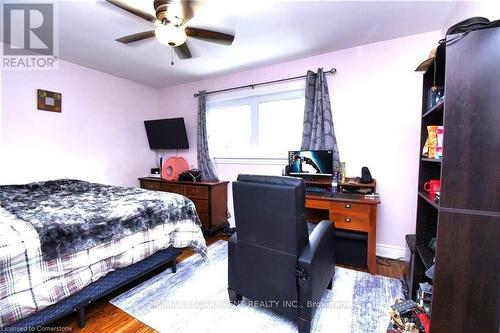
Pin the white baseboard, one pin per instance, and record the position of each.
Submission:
(390, 251)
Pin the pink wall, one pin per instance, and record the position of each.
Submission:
(99, 136)
(376, 99)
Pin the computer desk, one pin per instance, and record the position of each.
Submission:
(353, 212)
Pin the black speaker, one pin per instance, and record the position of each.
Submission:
(366, 176)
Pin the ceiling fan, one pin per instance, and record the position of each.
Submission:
(170, 26)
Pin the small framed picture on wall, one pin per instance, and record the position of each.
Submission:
(49, 100)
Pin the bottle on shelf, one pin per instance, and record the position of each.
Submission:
(342, 173)
(335, 180)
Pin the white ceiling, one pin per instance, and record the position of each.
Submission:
(267, 32)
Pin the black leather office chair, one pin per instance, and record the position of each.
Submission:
(272, 259)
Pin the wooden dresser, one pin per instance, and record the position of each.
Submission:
(210, 199)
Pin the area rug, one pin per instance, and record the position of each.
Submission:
(195, 300)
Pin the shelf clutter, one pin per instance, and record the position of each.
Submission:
(408, 316)
(437, 108)
(433, 147)
(354, 185)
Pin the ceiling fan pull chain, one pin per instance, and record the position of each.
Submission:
(172, 62)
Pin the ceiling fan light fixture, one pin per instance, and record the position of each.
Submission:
(174, 12)
(170, 35)
(174, 18)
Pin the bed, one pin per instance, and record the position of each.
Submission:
(66, 243)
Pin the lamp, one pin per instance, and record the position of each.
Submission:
(170, 34)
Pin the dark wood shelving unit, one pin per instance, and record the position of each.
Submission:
(435, 109)
(429, 199)
(466, 220)
(431, 160)
(426, 255)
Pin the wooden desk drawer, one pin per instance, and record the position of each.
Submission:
(200, 192)
(201, 205)
(173, 188)
(317, 204)
(155, 186)
(348, 208)
(351, 222)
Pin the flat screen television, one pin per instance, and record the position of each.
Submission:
(167, 133)
(310, 163)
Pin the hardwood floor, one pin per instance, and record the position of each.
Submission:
(102, 316)
(391, 267)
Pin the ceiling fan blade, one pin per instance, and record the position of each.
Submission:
(136, 37)
(133, 10)
(183, 51)
(187, 10)
(209, 35)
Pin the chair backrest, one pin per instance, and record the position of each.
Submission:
(269, 212)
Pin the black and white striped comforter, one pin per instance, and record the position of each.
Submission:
(57, 237)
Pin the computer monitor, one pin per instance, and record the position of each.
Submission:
(310, 163)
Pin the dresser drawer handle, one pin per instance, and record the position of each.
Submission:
(347, 219)
(348, 206)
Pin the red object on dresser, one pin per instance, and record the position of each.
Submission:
(173, 167)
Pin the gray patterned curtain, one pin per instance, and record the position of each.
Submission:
(318, 132)
(205, 164)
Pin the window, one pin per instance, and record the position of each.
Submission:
(262, 126)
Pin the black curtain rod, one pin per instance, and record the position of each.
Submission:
(331, 71)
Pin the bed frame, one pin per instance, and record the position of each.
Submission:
(95, 291)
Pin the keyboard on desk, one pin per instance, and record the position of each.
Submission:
(315, 190)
